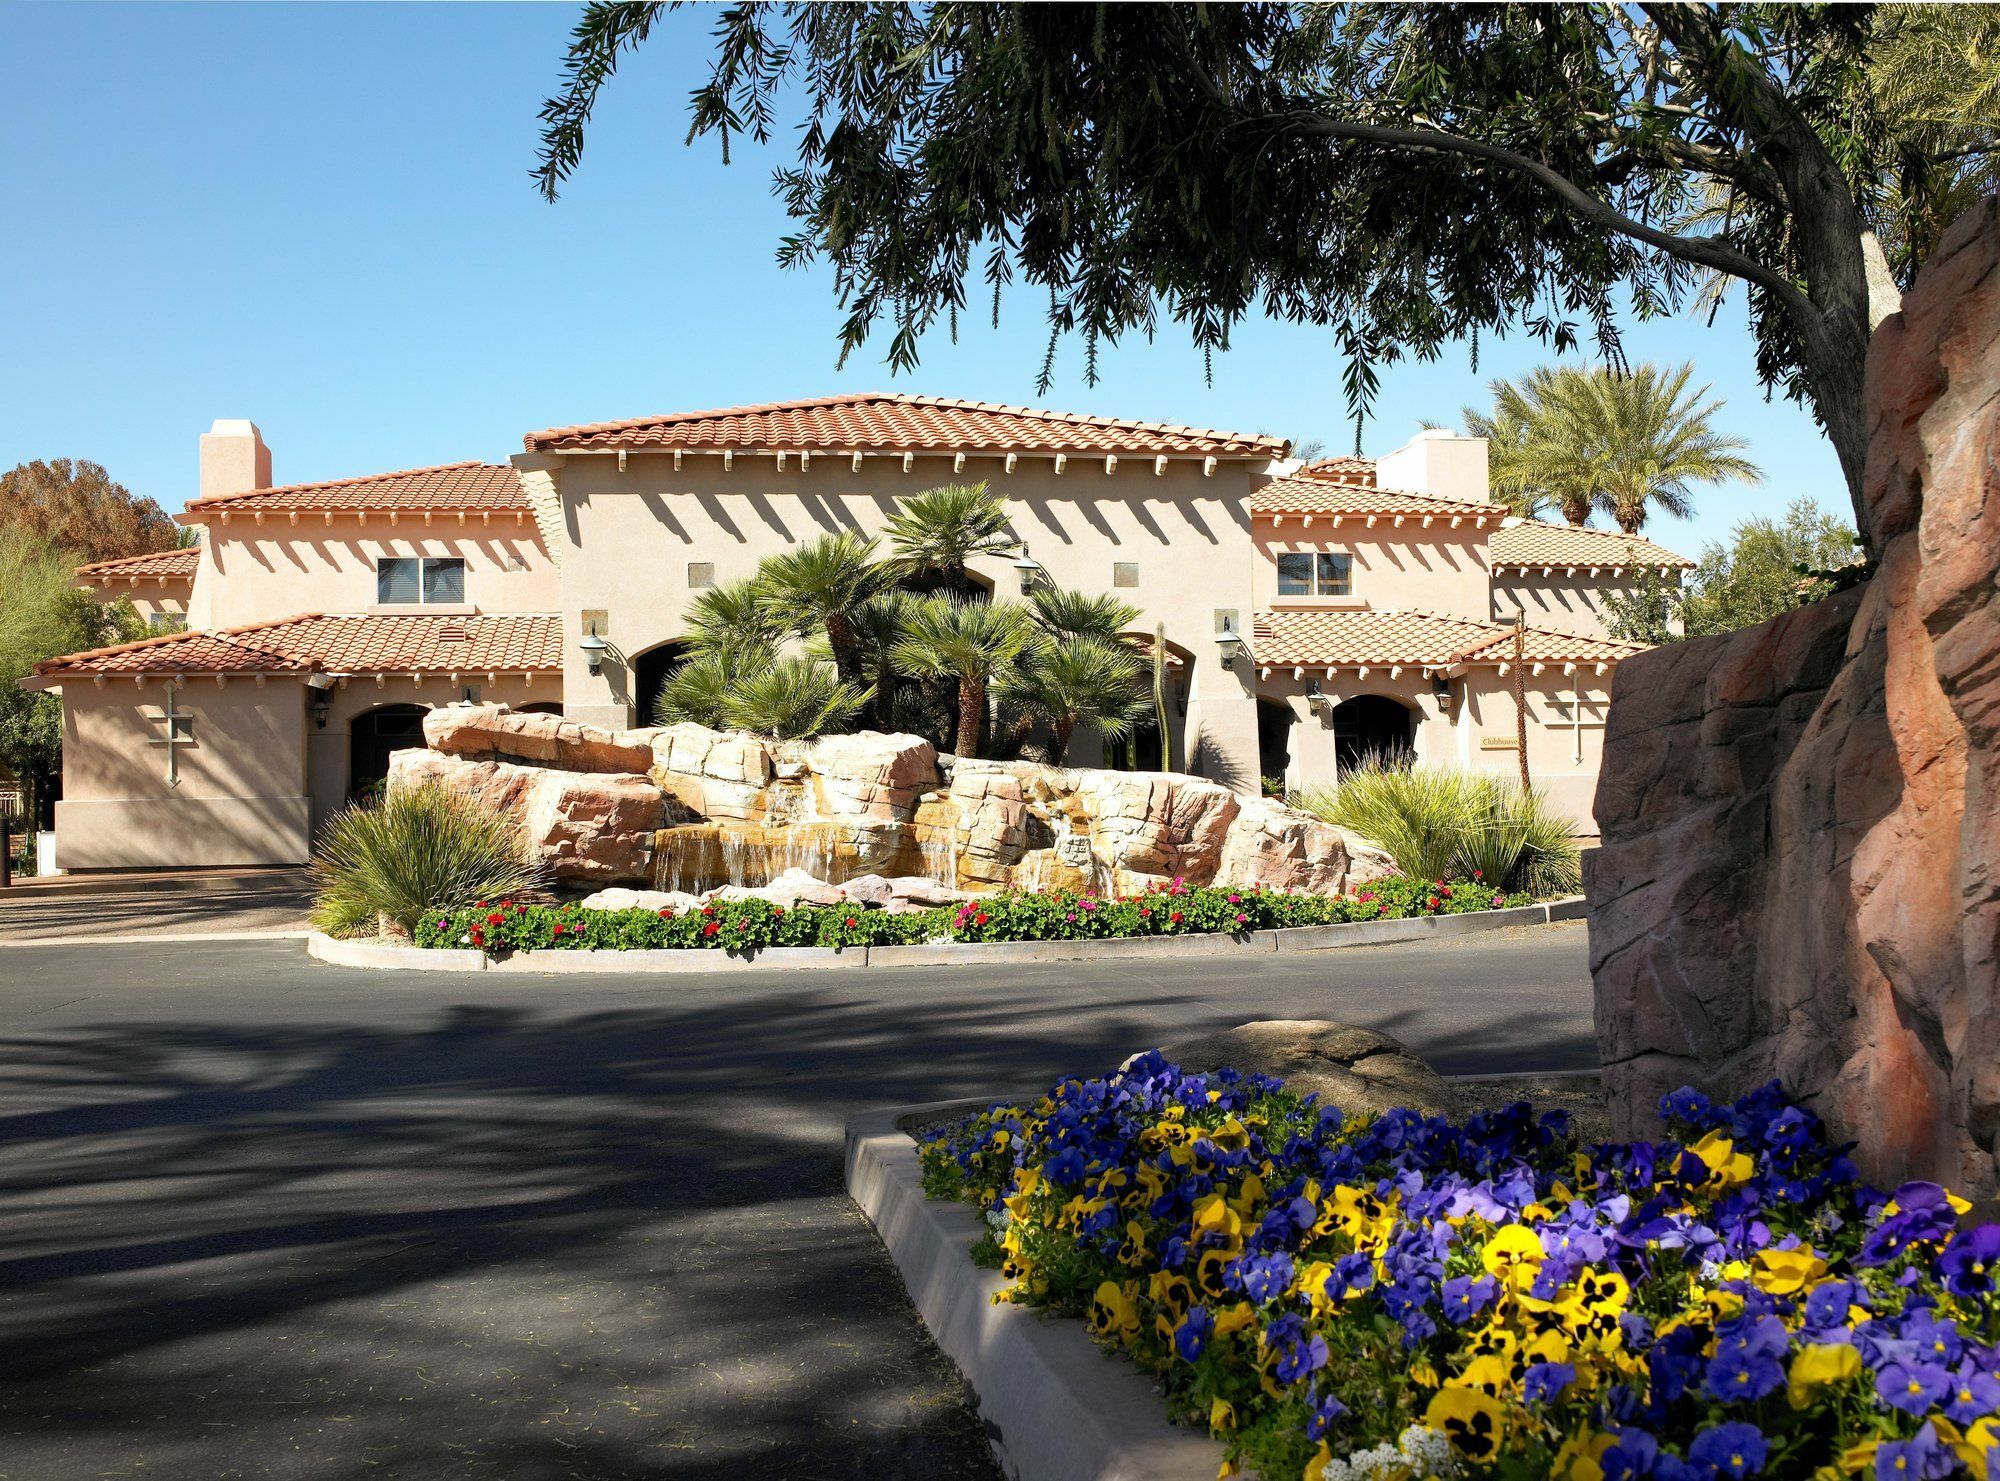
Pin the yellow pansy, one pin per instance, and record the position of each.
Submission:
(1311, 1284)
(1581, 1456)
(1786, 1272)
(1213, 1215)
(1235, 1318)
(1230, 1136)
(1316, 1467)
(1727, 1167)
(1169, 1289)
(1252, 1195)
(1114, 1309)
(1514, 1255)
(1221, 1417)
(1859, 1459)
(1489, 1375)
(1474, 1422)
(1818, 1364)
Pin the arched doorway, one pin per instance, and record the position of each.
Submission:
(650, 672)
(1372, 726)
(372, 736)
(539, 707)
(1274, 742)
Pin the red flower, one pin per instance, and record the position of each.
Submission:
(980, 919)
(1446, 892)
(495, 919)
(478, 937)
(710, 929)
(1432, 903)
(1176, 917)
(850, 923)
(666, 912)
(708, 910)
(1479, 874)
(557, 929)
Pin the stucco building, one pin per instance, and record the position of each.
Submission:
(1312, 612)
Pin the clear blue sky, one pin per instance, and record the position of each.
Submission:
(320, 217)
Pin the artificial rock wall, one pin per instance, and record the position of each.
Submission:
(1800, 874)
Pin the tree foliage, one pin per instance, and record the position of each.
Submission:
(1584, 441)
(1767, 568)
(1404, 175)
(74, 505)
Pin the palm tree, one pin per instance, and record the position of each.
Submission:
(1506, 434)
(792, 697)
(1085, 681)
(878, 625)
(818, 586)
(951, 637)
(700, 689)
(940, 529)
(1590, 439)
(1074, 614)
(733, 615)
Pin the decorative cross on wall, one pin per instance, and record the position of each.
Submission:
(174, 735)
(1574, 717)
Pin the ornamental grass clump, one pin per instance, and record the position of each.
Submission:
(1400, 1296)
(416, 852)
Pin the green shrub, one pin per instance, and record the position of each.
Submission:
(418, 851)
(1439, 821)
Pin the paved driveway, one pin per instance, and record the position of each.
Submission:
(265, 1217)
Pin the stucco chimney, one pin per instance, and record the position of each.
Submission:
(1436, 461)
(234, 459)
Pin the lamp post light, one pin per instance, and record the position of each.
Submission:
(593, 648)
(1228, 644)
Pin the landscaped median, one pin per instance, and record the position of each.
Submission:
(1394, 1296)
(1174, 920)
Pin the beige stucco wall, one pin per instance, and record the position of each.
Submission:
(1570, 604)
(150, 596)
(241, 798)
(629, 538)
(259, 573)
(1411, 570)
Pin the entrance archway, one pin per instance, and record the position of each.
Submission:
(539, 707)
(1274, 740)
(1372, 726)
(650, 672)
(372, 736)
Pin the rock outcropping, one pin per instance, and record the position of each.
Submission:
(1800, 874)
(690, 810)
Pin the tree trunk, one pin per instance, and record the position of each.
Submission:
(846, 651)
(971, 714)
(1060, 731)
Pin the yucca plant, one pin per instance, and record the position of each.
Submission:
(1418, 813)
(791, 698)
(417, 852)
(1549, 861)
(969, 641)
(1083, 681)
(816, 587)
(939, 530)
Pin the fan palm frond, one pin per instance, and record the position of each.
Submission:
(1074, 614)
(940, 529)
(700, 689)
(792, 698)
(818, 585)
(970, 641)
(1084, 681)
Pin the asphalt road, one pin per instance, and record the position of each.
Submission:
(263, 1217)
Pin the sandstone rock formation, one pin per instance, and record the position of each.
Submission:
(492, 732)
(1356, 1069)
(1800, 874)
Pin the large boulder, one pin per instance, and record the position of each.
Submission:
(1356, 1069)
(1158, 823)
(1800, 874)
(716, 774)
(871, 778)
(618, 897)
(1281, 848)
(989, 803)
(492, 732)
(586, 827)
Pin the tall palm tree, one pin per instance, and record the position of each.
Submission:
(1506, 432)
(1063, 613)
(817, 587)
(733, 615)
(1084, 681)
(951, 637)
(940, 529)
(1625, 444)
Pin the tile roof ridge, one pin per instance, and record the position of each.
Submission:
(354, 481)
(759, 408)
(227, 636)
(144, 555)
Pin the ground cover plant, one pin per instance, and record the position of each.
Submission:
(1401, 1296)
(1174, 909)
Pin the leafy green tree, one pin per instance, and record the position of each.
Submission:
(42, 615)
(934, 533)
(970, 642)
(74, 505)
(1591, 439)
(816, 587)
(1766, 569)
(1405, 175)
(1084, 681)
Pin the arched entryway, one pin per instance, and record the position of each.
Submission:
(1372, 726)
(650, 672)
(539, 707)
(1274, 742)
(372, 736)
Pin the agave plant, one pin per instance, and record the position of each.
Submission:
(969, 641)
(1084, 681)
(817, 587)
(1074, 614)
(416, 852)
(791, 698)
(940, 529)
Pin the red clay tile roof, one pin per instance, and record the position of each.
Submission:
(370, 644)
(155, 563)
(889, 422)
(449, 486)
(1341, 470)
(1315, 495)
(1313, 639)
(1533, 543)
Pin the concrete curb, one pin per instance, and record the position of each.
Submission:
(945, 954)
(151, 938)
(1056, 1407)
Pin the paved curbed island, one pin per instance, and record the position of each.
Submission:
(394, 956)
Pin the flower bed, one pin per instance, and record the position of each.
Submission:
(1405, 1297)
(1169, 910)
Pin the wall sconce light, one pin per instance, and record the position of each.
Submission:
(1228, 644)
(593, 648)
(1317, 699)
(319, 698)
(1029, 568)
(1440, 686)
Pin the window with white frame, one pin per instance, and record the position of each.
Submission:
(409, 580)
(1316, 573)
